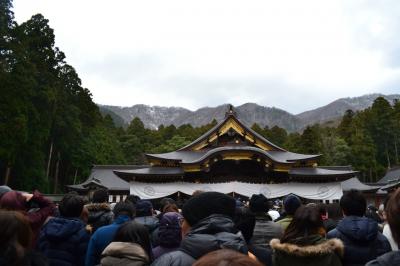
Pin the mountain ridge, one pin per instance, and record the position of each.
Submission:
(249, 113)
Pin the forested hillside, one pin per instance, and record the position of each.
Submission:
(51, 132)
(368, 140)
(50, 129)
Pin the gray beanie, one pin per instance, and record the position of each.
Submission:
(4, 189)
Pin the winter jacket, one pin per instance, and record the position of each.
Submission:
(265, 230)
(124, 253)
(64, 241)
(151, 224)
(159, 251)
(30, 258)
(211, 233)
(362, 240)
(329, 224)
(310, 251)
(263, 255)
(101, 239)
(285, 222)
(387, 232)
(100, 214)
(388, 259)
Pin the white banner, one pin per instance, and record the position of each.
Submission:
(314, 191)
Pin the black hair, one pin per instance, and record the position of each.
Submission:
(245, 222)
(124, 208)
(135, 233)
(259, 203)
(132, 199)
(71, 206)
(353, 203)
(15, 230)
(166, 201)
(322, 208)
(306, 221)
(334, 211)
(100, 195)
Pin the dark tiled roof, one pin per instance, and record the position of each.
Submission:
(188, 157)
(339, 167)
(152, 171)
(103, 176)
(391, 185)
(181, 156)
(287, 156)
(319, 172)
(391, 176)
(354, 183)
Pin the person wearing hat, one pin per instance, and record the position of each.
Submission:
(4, 189)
(169, 234)
(265, 229)
(291, 203)
(207, 226)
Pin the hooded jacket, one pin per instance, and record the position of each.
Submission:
(124, 253)
(64, 241)
(102, 238)
(285, 222)
(388, 259)
(310, 251)
(151, 224)
(100, 214)
(362, 240)
(211, 233)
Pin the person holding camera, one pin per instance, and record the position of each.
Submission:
(34, 207)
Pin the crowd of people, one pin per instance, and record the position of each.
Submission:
(210, 228)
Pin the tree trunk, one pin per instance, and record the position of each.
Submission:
(56, 174)
(387, 156)
(7, 177)
(370, 173)
(396, 151)
(75, 175)
(49, 161)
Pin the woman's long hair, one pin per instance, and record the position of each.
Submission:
(135, 233)
(306, 221)
(15, 234)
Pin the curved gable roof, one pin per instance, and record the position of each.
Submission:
(190, 157)
(216, 128)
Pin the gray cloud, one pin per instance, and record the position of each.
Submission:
(376, 26)
(210, 53)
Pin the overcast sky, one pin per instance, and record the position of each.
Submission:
(294, 55)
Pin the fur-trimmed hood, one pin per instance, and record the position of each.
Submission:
(326, 247)
(100, 214)
(92, 207)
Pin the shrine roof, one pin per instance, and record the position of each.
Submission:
(190, 157)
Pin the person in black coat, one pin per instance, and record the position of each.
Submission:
(245, 221)
(362, 240)
(63, 240)
(207, 226)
